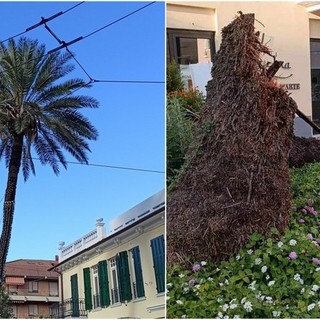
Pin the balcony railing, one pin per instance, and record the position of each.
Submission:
(115, 296)
(96, 301)
(68, 309)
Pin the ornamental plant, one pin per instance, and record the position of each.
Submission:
(274, 276)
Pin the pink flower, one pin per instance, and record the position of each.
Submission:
(316, 260)
(196, 267)
(304, 211)
(192, 282)
(293, 255)
(310, 202)
(310, 236)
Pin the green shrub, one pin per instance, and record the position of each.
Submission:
(273, 277)
(174, 78)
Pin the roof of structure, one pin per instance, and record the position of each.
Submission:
(30, 268)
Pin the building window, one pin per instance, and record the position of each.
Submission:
(53, 289)
(115, 293)
(120, 278)
(75, 312)
(33, 310)
(103, 283)
(87, 289)
(96, 293)
(136, 273)
(33, 286)
(157, 248)
(315, 80)
(190, 46)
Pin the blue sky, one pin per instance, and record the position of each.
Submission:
(130, 121)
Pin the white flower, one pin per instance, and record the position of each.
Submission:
(318, 303)
(243, 300)
(280, 244)
(250, 252)
(236, 316)
(238, 257)
(251, 285)
(219, 300)
(169, 285)
(264, 269)
(203, 263)
(318, 269)
(269, 299)
(248, 306)
(233, 306)
(302, 290)
(311, 306)
(271, 283)
(221, 284)
(179, 302)
(312, 293)
(287, 307)
(226, 317)
(258, 261)
(181, 275)
(217, 269)
(226, 282)
(315, 288)
(210, 279)
(183, 316)
(267, 277)
(301, 281)
(225, 307)
(220, 315)
(197, 286)
(186, 290)
(297, 277)
(276, 314)
(292, 242)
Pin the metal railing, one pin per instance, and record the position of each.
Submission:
(115, 295)
(96, 301)
(68, 308)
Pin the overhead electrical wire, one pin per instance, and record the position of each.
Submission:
(64, 44)
(111, 167)
(43, 20)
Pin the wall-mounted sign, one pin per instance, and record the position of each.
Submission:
(292, 86)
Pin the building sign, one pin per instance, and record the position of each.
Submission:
(292, 86)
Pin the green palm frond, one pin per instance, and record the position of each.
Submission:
(36, 102)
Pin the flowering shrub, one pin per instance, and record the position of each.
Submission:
(191, 99)
(273, 277)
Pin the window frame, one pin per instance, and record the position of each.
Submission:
(173, 34)
(33, 286)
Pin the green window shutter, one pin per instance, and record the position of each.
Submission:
(157, 247)
(103, 283)
(87, 289)
(74, 295)
(138, 271)
(124, 276)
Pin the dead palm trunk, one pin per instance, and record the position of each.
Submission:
(9, 200)
(236, 177)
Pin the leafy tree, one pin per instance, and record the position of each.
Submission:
(6, 311)
(174, 78)
(40, 113)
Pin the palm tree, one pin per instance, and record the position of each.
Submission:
(38, 112)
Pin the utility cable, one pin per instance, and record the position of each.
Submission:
(111, 167)
(98, 30)
(43, 21)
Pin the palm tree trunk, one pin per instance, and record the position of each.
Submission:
(8, 206)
